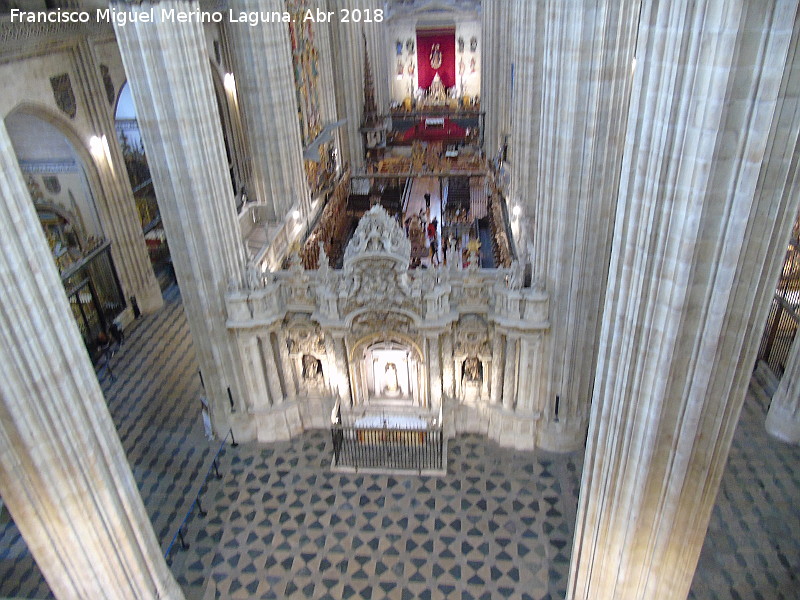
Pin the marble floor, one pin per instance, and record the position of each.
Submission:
(280, 524)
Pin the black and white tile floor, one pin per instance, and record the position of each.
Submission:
(280, 524)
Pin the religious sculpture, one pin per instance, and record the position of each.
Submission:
(437, 92)
(311, 368)
(472, 370)
(436, 57)
(391, 384)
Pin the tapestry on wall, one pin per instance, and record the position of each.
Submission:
(436, 53)
(305, 57)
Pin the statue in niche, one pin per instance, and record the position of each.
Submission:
(312, 368)
(436, 56)
(392, 385)
(473, 371)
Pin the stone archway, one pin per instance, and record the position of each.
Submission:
(387, 371)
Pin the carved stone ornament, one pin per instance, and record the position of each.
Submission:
(471, 337)
(63, 94)
(375, 269)
(382, 322)
(304, 336)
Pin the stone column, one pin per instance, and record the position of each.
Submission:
(63, 473)
(434, 370)
(286, 366)
(114, 199)
(783, 417)
(496, 23)
(343, 375)
(348, 71)
(170, 78)
(254, 373)
(573, 71)
(273, 379)
(496, 395)
(378, 53)
(707, 198)
(449, 370)
(267, 98)
(510, 373)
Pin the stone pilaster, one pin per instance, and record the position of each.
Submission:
(63, 473)
(342, 377)
(254, 373)
(573, 67)
(496, 23)
(266, 90)
(496, 395)
(273, 379)
(114, 199)
(449, 370)
(348, 70)
(434, 369)
(286, 366)
(170, 78)
(510, 372)
(706, 202)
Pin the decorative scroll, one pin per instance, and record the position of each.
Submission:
(501, 246)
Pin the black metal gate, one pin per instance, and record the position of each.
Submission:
(783, 314)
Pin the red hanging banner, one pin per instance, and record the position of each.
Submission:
(436, 53)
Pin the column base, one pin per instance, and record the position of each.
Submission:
(508, 428)
(150, 299)
(782, 423)
(564, 435)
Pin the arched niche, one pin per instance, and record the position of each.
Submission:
(62, 179)
(388, 370)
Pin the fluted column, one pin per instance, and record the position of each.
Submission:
(114, 199)
(63, 473)
(707, 200)
(348, 67)
(783, 417)
(496, 23)
(573, 66)
(266, 88)
(170, 79)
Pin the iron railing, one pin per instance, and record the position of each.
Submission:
(419, 449)
(784, 317)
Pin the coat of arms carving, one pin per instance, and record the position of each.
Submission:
(63, 94)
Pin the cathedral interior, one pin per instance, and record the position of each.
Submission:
(400, 299)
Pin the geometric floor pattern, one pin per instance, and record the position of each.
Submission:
(752, 549)
(281, 524)
(499, 525)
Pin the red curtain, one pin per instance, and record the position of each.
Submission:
(446, 38)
